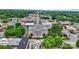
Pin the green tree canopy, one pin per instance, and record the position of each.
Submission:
(49, 42)
(55, 30)
(18, 24)
(16, 30)
(58, 41)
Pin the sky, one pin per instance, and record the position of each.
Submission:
(39, 4)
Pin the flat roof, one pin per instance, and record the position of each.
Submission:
(10, 41)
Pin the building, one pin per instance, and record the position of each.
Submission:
(35, 26)
(13, 21)
(26, 21)
(34, 44)
(76, 25)
(1, 35)
(65, 22)
(1, 31)
(30, 20)
(14, 42)
(70, 28)
(19, 43)
(38, 30)
(46, 23)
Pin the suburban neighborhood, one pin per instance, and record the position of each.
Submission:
(39, 30)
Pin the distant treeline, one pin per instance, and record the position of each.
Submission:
(72, 16)
(9, 13)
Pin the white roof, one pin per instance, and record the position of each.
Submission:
(29, 23)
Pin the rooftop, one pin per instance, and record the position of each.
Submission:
(10, 41)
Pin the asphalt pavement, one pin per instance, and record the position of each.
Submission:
(23, 43)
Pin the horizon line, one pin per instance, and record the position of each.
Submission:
(47, 9)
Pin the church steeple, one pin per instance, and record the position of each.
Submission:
(38, 18)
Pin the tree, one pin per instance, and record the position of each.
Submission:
(64, 15)
(48, 42)
(44, 17)
(56, 37)
(55, 30)
(18, 24)
(58, 41)
(77, 43)
(61, 17)
(57, 27)
(4, 14)
(5, 21)
(22, 30)
(17, 31)
(13, 32)
(9, 27)
(9, 32)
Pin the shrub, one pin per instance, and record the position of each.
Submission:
(67, 46)
(5, 47)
